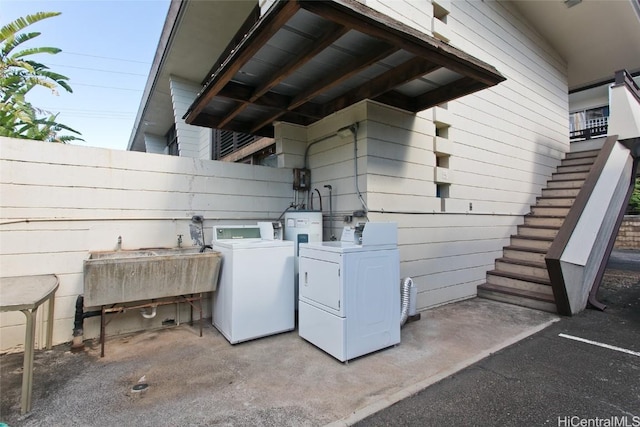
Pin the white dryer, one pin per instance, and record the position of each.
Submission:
(255, 296)
(349, 292)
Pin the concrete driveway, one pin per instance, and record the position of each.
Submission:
(580, 370)
(280, 380)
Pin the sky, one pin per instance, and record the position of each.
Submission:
(107, 51)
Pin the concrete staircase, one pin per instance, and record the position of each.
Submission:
(520, 277)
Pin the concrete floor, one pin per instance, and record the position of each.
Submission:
(279, 380)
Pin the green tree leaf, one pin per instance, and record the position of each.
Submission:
(18, 76)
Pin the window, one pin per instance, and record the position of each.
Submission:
(172, 141)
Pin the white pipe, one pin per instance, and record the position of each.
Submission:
(146, 315)
(407, 285)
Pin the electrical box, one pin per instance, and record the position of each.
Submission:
(301, 179)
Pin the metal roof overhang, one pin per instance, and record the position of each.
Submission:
(304, 60)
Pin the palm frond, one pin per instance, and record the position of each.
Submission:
(16, 40)
(21, 23)
(36, 50)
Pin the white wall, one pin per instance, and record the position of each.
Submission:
(155, 144)
(59, 202)
(504, 143)
(183, 92)
(414, 13)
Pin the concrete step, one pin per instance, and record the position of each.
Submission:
(520, 297)
(560, 192)
(531, 242)
(519, 281)
(579, 161)
(555, 201)
(568, 176)
(573, 183)
(525, 268)
(573, 168)
(582, 154)
(537, 231)
(544, 220)
(550, 210)
(524, 254)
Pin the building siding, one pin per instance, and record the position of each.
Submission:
(183, 93)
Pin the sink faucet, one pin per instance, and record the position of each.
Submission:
(179, 240)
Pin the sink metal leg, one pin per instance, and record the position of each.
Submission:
(200, 307)
(27, 370)
(102, 330)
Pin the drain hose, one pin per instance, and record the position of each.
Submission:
(151, 315)
(407, 287)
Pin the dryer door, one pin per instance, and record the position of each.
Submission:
(321, 284)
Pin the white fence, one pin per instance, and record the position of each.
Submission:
(59, 202)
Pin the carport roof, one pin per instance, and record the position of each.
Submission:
(303, 60)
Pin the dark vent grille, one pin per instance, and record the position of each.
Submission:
(226, 142)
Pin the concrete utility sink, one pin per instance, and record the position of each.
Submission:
(136, 275)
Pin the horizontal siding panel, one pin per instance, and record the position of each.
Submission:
(401, 185)
(122, 214)
(482, 115)
(474, 180)
(87, 177)
(413, 13)
(98, 198)
(390, 167)
(444, 220)
(470, 146)
(420, 123)
(440, 250)
(440, 296)
(426, 267)
(484, 26)
(401, 202)
(527, 174)
(415, 235)
(42, 241)
(391, 151)
(447, 279)
(35, 264)
(383, 132)
(43, 152)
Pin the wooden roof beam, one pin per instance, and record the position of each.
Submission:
(406, 72)
(451, 91)
(242, 93)
(330, 34)
(275, 18)
(344, 73)
(354, 15)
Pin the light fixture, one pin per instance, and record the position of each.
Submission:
(571, 3)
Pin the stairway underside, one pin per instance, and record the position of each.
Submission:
(520, 277)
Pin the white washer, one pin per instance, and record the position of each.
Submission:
(350, 294)
(255, 296)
